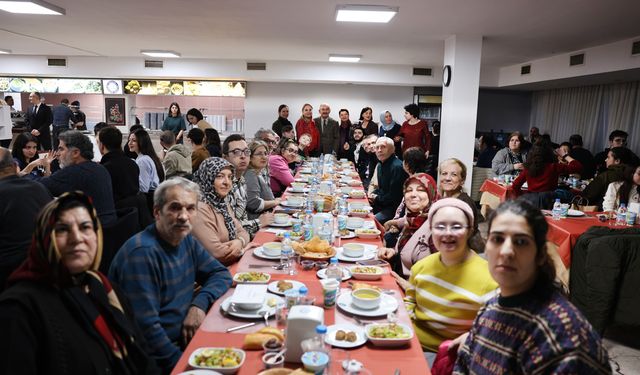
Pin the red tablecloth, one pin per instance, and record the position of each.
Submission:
(565, 232)
(409, 359)
(501, 191)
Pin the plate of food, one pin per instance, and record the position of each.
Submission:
(357, 194)
(346, 234)
(222, 360)
(295, 236)
(366, 272)
(315, 249)
(388, 334)
(268, 307)
(575, 213)
(346, 275)
(345, 336)
(281, 286)
(259, 252)
(385, 305)
(251, 278)
(367, 233)
(360, 212)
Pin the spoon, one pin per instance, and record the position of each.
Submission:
(265, 315)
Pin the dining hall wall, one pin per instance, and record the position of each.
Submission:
(506, 110)
(263, 99)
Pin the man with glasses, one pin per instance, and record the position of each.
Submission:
(617, 138)
(391, 176)
(236, 152)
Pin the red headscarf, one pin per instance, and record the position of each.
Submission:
(414, 220)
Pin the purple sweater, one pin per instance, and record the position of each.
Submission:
(280, 173)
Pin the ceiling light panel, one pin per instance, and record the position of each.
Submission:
(31, 7)
(344, 58)
(365, 13)
(160, 53)
(4, 51)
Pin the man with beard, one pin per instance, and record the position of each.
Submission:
(78, 172)
(158, 268)
(367, 160)
(236, 152)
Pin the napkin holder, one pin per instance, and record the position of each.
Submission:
(301, 325)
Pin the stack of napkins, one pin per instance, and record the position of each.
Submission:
(249, 296)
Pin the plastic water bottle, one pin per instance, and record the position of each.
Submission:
(333, 270)
(621, 215)
(321, 332)
(287, 252)
(326, 232)
(344, 206)
(557, 210)
(303, 296)
(307, 227)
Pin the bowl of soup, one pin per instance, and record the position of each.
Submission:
(366, 299)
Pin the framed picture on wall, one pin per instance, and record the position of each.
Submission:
(115, 111)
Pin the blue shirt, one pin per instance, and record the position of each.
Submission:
(159, 280)
(61, 116)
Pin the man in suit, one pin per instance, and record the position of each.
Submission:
(328, 129)
(39, 118)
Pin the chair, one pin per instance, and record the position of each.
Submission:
(115, 235)
(479, 175)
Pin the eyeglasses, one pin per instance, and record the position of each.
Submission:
(260, 154)
(238, 152)
(292, 150)
(454, 229)
(271, 141)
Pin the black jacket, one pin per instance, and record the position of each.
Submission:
(21, 200)
(124, 173)
(42, 335)
(605, 276)
(41, 121)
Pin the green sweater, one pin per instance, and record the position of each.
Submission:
(175, 124)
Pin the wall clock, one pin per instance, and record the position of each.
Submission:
(446, 75)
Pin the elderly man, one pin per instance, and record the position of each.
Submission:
(267, 136)
(236, 152)
(328, 128)
(158, 268)
(391, 176)
(22, 199)
(78, 172)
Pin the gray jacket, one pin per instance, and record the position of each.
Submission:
(329, 136)
(258, 191)
(177, 161)
(501, 163)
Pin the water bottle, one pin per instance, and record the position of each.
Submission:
(287, 252)
(308, 225)
(557, 209)
(326, 231)
(333, 270)
(303, 296)
(321, 332)
(621, 215)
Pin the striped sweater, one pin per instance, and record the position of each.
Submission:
(443, 300)
(532, 333)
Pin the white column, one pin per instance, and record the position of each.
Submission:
(460, 100)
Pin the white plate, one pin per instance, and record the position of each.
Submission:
(220, 370)
(237, 280)
(330, 337)
(252, 314)
(349, 236)
(575, 213)
(346, 275)
(273, 286)
(370, 252)
(354, 228)
(389, 343)
(387, 304)
(292, 191)
(287, 224)
(287, 204)
(200, 372)
(260, 254)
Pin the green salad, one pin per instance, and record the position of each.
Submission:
(389, 331)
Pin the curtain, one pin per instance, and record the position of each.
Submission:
(591, 111)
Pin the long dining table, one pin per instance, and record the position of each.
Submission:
(379, 360)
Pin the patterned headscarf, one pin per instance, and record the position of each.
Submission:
(205, 176)
(414, 220)
(386, 127)
(89, 293)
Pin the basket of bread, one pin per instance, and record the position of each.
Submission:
(315, 249)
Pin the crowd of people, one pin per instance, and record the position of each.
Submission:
(65, 310)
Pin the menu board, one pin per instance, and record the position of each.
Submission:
(189, 88)
(51, 85)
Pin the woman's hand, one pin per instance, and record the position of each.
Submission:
(386, 253)
(456, 343)
(249, 246)
(397, 138)
(235, 248)
(390, 224)
(518, 166)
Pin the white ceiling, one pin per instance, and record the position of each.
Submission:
(515, 31)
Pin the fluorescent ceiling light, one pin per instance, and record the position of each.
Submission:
(365, 13)
(344, 58)
(159, 53)
(5, 51)
(31, 7)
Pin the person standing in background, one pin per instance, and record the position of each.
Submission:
(175, 122)
(39, 117)
(390, 128)
(328, 129)
(434, 149)
(283, 119)
(414, 131)
(306, 125)
(61, 120)
(195, 118)
(366, 122)
(345, 149)
(79, 119)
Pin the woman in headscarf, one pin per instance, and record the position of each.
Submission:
(60, 315)
(447, 288)
(389, 128)
(216, 227)
(413, 244)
